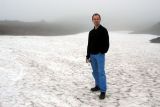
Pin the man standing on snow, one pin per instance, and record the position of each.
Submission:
(98, 45)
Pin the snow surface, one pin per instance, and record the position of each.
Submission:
(50, 71)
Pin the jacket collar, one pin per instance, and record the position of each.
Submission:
(98, 27)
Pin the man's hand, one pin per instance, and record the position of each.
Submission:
(88, 60)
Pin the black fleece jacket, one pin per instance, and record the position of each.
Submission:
(98, 41)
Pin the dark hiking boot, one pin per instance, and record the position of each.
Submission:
(102, 95)
(96, 88)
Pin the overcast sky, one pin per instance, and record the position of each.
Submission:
(119, 11)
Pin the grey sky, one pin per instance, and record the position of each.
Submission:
(120, 11)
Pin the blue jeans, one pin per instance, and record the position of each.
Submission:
(98, 67)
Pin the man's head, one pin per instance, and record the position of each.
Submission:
(96, 19)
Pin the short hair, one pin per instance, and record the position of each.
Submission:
(96, 14)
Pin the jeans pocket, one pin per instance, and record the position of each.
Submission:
(101, 53)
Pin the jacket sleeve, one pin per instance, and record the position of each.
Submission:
(106, 42)
(88, 47)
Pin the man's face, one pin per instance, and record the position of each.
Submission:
(96, 20)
